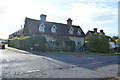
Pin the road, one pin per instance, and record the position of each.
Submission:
(19, 65)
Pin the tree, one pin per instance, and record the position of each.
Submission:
(98, 43)
(118, 40)
(115, 37)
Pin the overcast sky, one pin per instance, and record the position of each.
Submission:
(88, 14)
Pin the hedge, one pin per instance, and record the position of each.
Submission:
(70, 45)
(39, 43)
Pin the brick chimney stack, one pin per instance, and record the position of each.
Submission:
(101, 31)
(43, 17)
(95, 30)
(69, 21)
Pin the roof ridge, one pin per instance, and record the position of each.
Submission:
(52, 22)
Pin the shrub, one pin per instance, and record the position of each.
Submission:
(52, 47)
(26, 43)
(39, 43)
(118, 40)
(98, 43)
(70, 45)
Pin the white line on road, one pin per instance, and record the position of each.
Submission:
(32, 71)
(6, 59)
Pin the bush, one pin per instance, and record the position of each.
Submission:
(52, 47)
(98, 43)
(38, 43)
(26, 43)
(118, 40)
(70, 45)
(13, 43)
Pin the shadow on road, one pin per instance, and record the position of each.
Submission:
(82, 60)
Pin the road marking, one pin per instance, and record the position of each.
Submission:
(32, 71)
(100, 62)
(90, 58)
(7, 59)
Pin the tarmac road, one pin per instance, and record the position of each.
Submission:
(19, 65)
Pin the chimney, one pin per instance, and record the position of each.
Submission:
(43, 17)
(101, 31)
(95, 30)
(69, 22)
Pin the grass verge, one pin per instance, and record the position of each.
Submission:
(91, 53)
(104, 54)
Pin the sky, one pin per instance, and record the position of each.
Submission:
(88, 14)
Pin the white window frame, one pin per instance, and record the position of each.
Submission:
(42, 28)
(79, 32)
(71, 30)
(53, 42)
(54, 29)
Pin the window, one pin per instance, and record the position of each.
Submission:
(53, 42)
(42, 28)
(53, 29)
(78, 32)
(71, 30)
(79, 43)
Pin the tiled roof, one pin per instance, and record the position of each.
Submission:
(62, 29)
(92, 32)
(19, 32)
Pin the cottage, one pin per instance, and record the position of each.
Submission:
(51, 29)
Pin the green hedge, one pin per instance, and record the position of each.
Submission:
(70, 45)
(39, 43)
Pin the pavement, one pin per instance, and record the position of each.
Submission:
(16, 50)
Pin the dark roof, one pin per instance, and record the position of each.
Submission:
(110, 39)
(92, 32)
(20, 31)
(62, 29)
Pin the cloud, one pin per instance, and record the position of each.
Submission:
(106, 16)
(1, 11)
(98, 1)
(86, 13)
(91, 15)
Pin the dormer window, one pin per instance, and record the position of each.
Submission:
(54, 29)
(78, 32)
(71, 30)
(42, 28)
